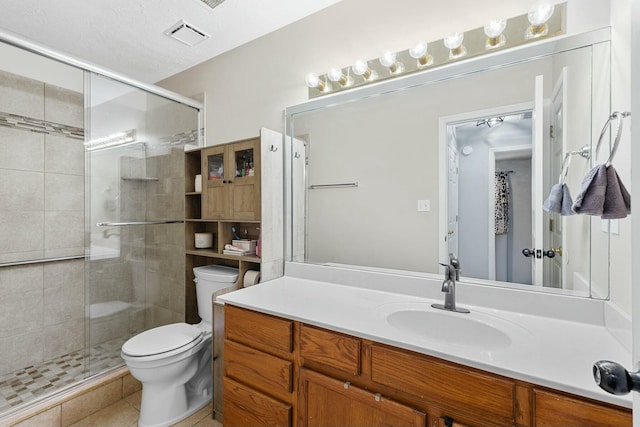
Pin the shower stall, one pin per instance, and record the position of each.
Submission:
(91, 212)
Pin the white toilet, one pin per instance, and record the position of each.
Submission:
(173, 362)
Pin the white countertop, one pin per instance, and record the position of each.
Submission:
(550, 352)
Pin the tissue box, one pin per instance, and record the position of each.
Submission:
(203, 240)
(245, 245)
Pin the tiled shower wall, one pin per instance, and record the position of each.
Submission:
(41, 216)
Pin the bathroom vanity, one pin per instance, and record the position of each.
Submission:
(303, 352)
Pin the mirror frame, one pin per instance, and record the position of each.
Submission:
(514, 56)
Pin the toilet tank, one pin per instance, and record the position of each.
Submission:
(210, 279)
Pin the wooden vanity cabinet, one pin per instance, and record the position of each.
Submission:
(341, 380)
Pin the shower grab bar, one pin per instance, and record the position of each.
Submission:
(40, 261)
(346, 185)
(124, 224)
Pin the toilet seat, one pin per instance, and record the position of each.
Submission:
(163, 341)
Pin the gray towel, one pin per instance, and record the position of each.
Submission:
(590, 201)
(559, 200)
(617, 201)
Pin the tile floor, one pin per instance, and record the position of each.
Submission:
(125, 413)
(32, 382)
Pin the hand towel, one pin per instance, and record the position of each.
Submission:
(617, 201)
(590, 201)
(559, 200)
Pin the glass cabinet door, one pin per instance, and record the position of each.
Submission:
(214, 165)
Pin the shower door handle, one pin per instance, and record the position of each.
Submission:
(124, 224)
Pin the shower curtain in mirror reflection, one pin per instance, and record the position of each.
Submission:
(502, 203)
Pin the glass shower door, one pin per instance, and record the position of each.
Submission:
(135, 208)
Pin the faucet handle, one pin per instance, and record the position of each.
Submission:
(455, 263)
(453, 260)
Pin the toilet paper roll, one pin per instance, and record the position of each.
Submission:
(251, 277)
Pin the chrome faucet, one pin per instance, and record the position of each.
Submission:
(451, 274)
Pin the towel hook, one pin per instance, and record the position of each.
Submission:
(620, 117)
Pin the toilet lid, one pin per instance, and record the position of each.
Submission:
(162, 339)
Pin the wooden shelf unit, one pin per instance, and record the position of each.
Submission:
(196, 221)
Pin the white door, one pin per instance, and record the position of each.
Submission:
(554, 267)
(537, 182)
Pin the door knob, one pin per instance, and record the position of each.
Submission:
(558, 251)
(529, 252)
(614, 378)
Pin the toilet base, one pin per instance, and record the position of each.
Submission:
(196, 402)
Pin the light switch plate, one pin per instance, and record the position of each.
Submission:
(424, 205)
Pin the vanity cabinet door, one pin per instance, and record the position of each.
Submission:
(325, 401)
(553, 409)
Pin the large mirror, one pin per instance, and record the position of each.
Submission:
(399, 175)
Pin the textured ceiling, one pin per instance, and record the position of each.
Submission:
(126, 36)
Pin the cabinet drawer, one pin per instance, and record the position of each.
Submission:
(244, 406)
(263, 371)
(261, 331)
(485, 397)
(332, 349)
(551, 409)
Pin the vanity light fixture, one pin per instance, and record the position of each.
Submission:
(389, 60)
(336, 75)
(420, 53)
(493, 30)
(538, 18)
(545, 20)
(491, 122)
(314, 82)
(361, 68)
(453, 42)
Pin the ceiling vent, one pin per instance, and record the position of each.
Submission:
(212, 3)
(186, 33)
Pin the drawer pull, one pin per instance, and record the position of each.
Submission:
(378, 397)
(346, 385)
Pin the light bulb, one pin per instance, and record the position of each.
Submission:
(538, 18)
(493, 30)
(453, 42)
(314, 82)
(389, 60)
(419, 52)
(361, 68)
(336, 75)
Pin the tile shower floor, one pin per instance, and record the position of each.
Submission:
(32, 382)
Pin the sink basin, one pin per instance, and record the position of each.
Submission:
(467, 330)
